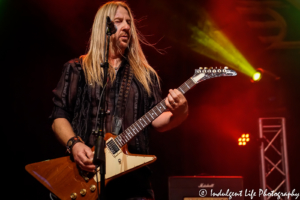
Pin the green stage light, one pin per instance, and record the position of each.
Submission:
(256, 76)
(211, 42)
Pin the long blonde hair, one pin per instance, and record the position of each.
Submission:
(135, 56)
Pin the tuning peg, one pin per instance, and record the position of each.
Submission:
(211, 68)
(205, 67)
(200, 67)
(225, 67)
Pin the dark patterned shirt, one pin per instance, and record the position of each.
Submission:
(78, 102)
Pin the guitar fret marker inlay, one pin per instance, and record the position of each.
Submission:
(159, 109)
(163, 106)
(155, 112)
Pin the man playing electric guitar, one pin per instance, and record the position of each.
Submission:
(132, 90)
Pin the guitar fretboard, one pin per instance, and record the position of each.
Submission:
(150, 116)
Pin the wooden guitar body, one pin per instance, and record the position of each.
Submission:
(63, 178)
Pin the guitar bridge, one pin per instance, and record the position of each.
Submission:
(85, 175)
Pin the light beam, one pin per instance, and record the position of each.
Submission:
(211, 42)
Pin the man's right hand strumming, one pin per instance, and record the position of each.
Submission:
(83, 156)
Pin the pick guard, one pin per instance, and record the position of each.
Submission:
(118, 165)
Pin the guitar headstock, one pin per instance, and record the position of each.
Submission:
(205, 73)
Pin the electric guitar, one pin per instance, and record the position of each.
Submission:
(62, 176)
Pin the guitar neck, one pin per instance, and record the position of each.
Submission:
(149, 117)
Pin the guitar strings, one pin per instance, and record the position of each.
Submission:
(122, 139)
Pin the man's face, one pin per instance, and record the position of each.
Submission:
(122, 21)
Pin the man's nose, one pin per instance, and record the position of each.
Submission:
(125, 26)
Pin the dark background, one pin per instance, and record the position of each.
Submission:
(38, 37)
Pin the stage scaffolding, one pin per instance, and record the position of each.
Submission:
(274, 170)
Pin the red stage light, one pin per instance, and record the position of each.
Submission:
(244, 139)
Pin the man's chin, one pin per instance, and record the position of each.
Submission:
(123, 46)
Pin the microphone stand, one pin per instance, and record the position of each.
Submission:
(99, 156)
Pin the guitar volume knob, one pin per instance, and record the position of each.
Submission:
(83, 192)
(93, 188)
(73, 195)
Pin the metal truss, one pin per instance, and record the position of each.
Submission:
(274, 172)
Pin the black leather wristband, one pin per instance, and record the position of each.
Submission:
(72, 141)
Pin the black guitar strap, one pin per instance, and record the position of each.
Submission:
(122, 100)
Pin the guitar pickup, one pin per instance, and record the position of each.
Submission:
(113, 147)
